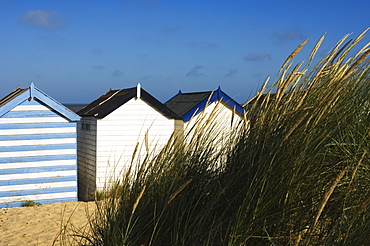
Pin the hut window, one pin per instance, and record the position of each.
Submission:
(85, 126)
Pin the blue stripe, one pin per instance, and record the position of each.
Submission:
(37, 136)
(37, 158)
(38, 169)
(37, 125)
(31, 113)
(37, 180)
(38, 147)
(37, 191)
(46, 201)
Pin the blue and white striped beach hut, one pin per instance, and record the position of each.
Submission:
(38, 159)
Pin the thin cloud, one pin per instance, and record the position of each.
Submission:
(117, 73)
(289, 36)
(261, 56)
(202, 45)
(53, 39)
(171, 30)
(231, 72)
(97, 51)
(147, 3)
(98, 67)
(195, 71)
(43, 19)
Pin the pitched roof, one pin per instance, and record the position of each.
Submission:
(113, 99)
(184, 102)
(19, 95)
(187, 105)
(12, 95)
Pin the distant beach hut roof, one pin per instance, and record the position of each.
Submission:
(186, 105)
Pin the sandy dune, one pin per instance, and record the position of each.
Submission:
(40, 225)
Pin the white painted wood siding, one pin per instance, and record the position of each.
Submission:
(37, 156)
(218, 120)
(119, 132)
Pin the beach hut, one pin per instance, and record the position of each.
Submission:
(38, 160)
(113, 128)
(195, 107)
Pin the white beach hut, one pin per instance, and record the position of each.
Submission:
(193, 107)
(112, 128)
(38, 160)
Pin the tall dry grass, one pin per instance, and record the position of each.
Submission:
(297, 175)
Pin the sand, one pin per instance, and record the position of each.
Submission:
(40, 225)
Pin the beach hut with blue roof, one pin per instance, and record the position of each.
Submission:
(195, 107)
(38, 159)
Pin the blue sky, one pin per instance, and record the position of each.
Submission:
(77, 50)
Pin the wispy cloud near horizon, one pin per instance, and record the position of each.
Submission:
(289, 35)
(231, 72)
(195, 71)
(147, 3)
(202, 45)
(43, 19)
(117, 73)
(260, 56)
(97, 51)
(98, 67)
(172, 30)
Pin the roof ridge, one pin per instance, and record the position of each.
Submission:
(196, 92)
(107, 103)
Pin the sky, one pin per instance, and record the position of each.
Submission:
(75, 51)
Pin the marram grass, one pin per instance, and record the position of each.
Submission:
(298, 174)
